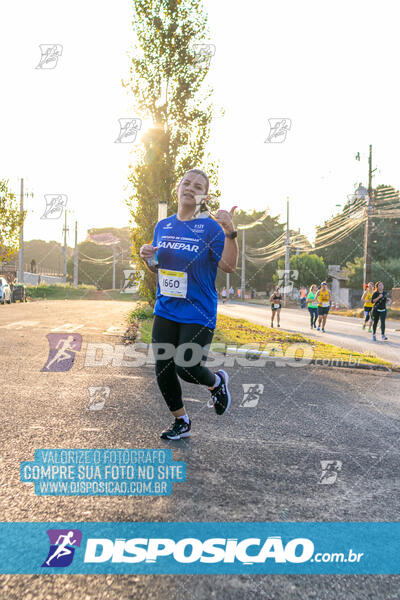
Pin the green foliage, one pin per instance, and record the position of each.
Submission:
(10, 222)
(166, 86)
(141, 312)
(58, 291)
(100, 274)
(311, 269)
(48, 255)
(387, 271)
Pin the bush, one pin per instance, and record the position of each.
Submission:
(141, 312)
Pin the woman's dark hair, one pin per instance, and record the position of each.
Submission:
(200, 172)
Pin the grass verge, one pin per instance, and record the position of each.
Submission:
(231, 331)
(62, 291)
(58, 291)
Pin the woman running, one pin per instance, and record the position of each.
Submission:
(368, 305)
(276, 305)
(379, 300)
(323, 297)
(312, 305)
(187, 249)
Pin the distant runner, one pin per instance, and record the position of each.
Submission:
(312, 305)
(224, 294)
(379, 299)
(323, 297)
(368, 305)
(187, 250)
(276, 305)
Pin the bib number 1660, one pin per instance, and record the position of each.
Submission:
(173, 283)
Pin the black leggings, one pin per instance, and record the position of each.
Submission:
(376, 316)
(313, 315)
(167, 371)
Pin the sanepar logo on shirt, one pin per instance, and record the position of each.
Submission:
(190, 550)
(179, 246)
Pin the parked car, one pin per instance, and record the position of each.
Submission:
(19, 293)
(5, 291)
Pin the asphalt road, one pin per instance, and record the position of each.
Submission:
(259, 463)
(345, 332)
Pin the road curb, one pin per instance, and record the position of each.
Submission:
(321, 362)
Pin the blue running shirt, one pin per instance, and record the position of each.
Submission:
(188, 257)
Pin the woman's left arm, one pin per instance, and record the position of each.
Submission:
(229, 258)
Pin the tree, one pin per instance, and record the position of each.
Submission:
(386, 271)
(95, 260)
(311, 269)
(11, 222)
(167, 85)
(385, 232)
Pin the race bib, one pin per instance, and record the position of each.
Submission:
(324, 304)
(276, 305)
(172, 283)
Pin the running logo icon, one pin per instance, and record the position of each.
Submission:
(278, 129)
(63, 347)
(203, 54)
(330, 470)
(128, 129)
(50, 55)
(62, 550)
(287, 279)
(133, 277)
(98, 397)
(251, 394)
(55, 203)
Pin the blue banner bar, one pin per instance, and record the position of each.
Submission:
(202, 547)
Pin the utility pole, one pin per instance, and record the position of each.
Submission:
(113, 273)
(65, 230)
(21, 235)
(227, 285)
(287, 253)
(76, 256)
(243, 280)
(367, 272)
